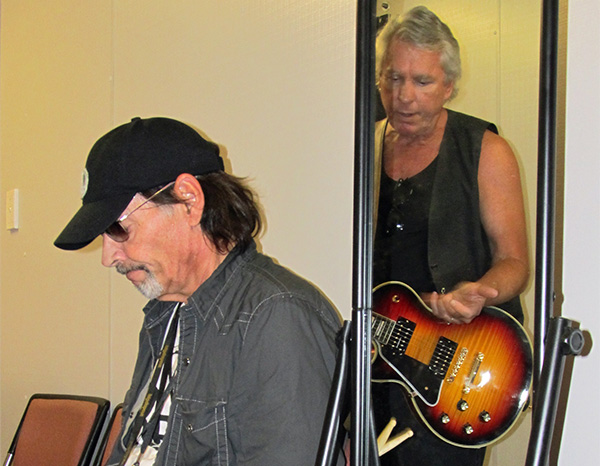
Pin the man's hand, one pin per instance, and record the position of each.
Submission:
(462, 304)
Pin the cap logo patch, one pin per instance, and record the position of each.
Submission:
(85, 179)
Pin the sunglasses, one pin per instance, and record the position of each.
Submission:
(117, 232)
(395, 220)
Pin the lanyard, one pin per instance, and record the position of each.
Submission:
(155, 392)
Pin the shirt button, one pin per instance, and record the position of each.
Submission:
(186, 361)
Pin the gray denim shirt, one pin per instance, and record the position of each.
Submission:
(256, 359)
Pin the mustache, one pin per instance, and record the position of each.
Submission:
(124, 269)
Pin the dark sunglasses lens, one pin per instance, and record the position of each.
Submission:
(117, 233)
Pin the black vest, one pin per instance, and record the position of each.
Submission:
(458, 247)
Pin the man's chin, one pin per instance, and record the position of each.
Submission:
(149, 291)
(143, 279)
(149, 286)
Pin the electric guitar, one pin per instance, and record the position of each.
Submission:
(469, 382)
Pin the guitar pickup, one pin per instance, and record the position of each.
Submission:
(442, 357)
(401, 335)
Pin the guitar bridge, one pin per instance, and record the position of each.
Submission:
(442, 357)
(459, 362)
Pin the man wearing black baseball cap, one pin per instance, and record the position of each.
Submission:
(236, 353)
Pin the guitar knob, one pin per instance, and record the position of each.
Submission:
(468, 429)
(444, 418)
(484, 416)
(462, 405)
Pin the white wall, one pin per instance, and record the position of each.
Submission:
(581, 437)
(54, 100)
(499, 41)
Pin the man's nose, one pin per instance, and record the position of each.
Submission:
(112, 251)
(406, 92)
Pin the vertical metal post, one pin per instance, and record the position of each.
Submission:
(363, 231)
(546, 182)
(555, 338)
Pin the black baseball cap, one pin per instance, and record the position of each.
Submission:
(139, 155)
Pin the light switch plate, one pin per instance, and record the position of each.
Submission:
(12, 209)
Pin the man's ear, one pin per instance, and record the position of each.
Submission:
(188, 190)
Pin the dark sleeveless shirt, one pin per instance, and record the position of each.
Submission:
(400, 252)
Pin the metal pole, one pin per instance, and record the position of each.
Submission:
(562, 340)
(554, 338)
(328, 447)
(546, 182)
(363, 231)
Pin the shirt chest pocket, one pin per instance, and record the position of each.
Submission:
(204, 438)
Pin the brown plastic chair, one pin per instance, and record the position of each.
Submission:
(58, 430)
(111, 435)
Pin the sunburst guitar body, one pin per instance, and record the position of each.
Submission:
(469, 383)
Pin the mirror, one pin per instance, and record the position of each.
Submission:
(499, 46)
(499, 43)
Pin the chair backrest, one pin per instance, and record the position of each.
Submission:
(59, 430)
(111, 435)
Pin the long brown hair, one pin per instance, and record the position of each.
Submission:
(231, 216)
